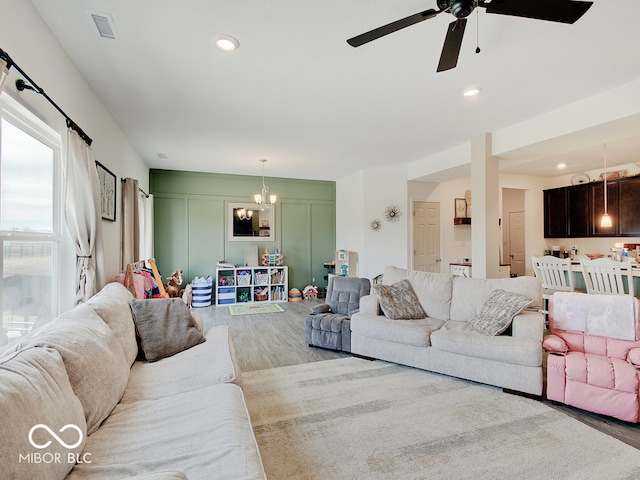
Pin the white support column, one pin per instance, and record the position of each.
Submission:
(485, 238)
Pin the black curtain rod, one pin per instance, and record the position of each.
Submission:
(22, 85)
(122, 180)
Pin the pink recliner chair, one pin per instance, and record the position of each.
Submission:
(594, 353)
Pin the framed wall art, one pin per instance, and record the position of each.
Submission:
(107, 182)
(460, 208)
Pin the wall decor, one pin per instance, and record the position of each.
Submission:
(392, 213)
(107, 182)
(246, 222)
(375, 225)
(460, 207)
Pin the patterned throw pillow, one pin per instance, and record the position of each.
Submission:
(498, 311)
(399, 301)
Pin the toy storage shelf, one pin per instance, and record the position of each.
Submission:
(251, 284)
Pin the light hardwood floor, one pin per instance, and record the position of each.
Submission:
(277, 339)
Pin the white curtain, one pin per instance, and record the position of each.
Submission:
(146, 225)
(82, 213)
(130, 232)
(4, 73)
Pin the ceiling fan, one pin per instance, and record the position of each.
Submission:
(564, 11)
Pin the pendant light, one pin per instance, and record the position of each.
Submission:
(605, 221)
(261, 198)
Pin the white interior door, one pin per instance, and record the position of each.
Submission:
(426, 237)
(517, 243)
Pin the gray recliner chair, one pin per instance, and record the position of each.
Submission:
(328, 324)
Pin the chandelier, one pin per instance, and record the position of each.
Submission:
(244, 214)
(261, 198)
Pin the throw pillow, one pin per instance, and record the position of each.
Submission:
(164, 326)
(322, 308)
(399, 301)
(498, 311)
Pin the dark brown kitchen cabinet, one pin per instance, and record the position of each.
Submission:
(629, 207)
(566, 212)
(555, 213)
(576, 211)
(578, 218)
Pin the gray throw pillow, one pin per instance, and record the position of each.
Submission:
(164, 326)
(399, 301)
(498, 311)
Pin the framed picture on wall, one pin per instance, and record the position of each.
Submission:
(460, 208)
(107, 182)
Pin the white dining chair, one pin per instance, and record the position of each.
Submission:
(556, 276)
(605, 276)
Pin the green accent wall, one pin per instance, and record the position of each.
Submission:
(190, 224)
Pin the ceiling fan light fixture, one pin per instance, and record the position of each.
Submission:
(227, 43)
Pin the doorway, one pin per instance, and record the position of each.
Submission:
(516, 243)
(514, 235)
(426, 237)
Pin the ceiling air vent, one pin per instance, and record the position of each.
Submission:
(104, 24)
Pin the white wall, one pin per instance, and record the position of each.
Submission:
(363, 197)
(27, 39)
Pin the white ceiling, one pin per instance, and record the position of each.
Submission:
(297, 94)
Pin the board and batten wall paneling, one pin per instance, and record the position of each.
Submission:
(322, 240)
(296, 237)
(206, 238)
(191, 223)
(170, 234)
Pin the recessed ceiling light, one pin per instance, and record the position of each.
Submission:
(471, 92)
(560, 166)
(227, 43)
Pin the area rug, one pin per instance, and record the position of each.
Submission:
(358, 419)
(251, 308)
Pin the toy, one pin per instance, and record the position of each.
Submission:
(310, 292)
(295, 295)
(187, 295)
(173, 286)
(272, 259)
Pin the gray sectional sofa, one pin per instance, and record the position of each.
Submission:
(77, 404)
(443, 341)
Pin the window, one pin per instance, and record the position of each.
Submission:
(29, 220)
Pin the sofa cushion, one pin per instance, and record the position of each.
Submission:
(470, 294)
(210, 362)
(410, 332)
(457, 337)
(498, 312)
(432, 289)
(112, 306)
(399, 301)
(601, 371)
(164, 326)
(35, 390)
(93, 358)
(204, 434)
(343, 293)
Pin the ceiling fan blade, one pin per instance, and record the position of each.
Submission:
(392, 27)
(452, 44)
(564, 11)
